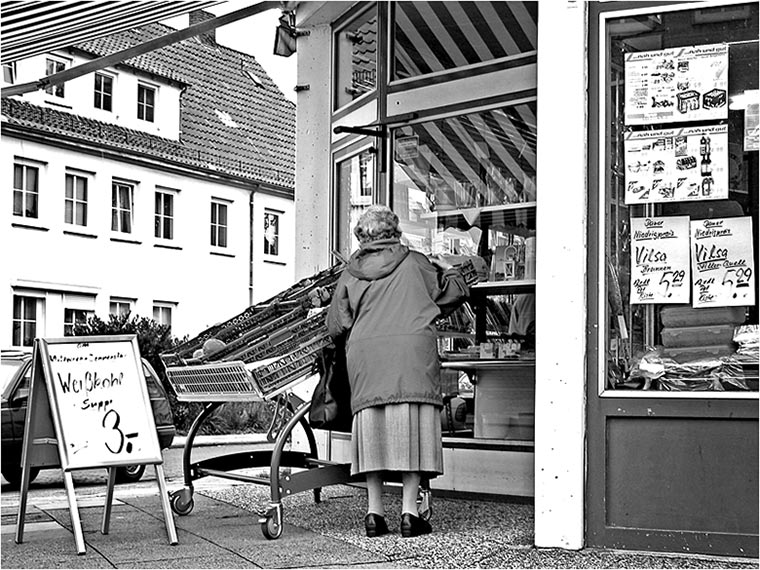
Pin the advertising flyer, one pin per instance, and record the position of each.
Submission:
(676, 85)
(660, 260)
(676, 165)
(723, 273)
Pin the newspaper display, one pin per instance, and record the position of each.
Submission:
(676, 165)
(676, 85)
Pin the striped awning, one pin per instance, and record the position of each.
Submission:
(33, 27)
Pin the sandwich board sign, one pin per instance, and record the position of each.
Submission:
(88, 400)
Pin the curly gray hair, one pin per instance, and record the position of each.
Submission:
(377, 222)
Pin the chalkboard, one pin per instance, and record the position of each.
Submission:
(99, 401)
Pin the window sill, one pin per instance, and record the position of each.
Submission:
(222, 254)
(28, 226)
(125, 240)
(79, 234)
(167, 246)
(275, 262)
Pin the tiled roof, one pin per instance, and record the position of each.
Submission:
(228, 122)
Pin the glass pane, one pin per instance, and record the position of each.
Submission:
(18, 176)
(354, 194)
(356, 48)
(681, 179)
(18, 203)
(81, 211)
(168, 228)
(81, 188)
(453, 176)
(31, 205)
(68, 212)
(31, 179)
(69, 186)
(440, 36)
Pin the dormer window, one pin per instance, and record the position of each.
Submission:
(103, 92)
(53, 66)
(146, 102)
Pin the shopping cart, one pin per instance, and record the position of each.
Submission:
(267, 351)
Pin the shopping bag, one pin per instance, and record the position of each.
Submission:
(331, 401)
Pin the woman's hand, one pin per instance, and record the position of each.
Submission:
(440, 262)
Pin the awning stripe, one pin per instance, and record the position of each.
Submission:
(31, 28)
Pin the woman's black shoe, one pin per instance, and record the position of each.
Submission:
(375, 525)
(414, 526)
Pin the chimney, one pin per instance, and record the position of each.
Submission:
(199, 16)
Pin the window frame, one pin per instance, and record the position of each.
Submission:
(25, 166)
(102, 92)
(60, 64)
(337, 86)
(118, 211)
(12, 71)
(75, 201)
(275, 250)
(160, 218)
(23, 319)
(146, 111)
(219, 237)
(162, 307)
(117, 303)
(76, 318)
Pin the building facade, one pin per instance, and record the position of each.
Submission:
(161, 186)
(597, 162)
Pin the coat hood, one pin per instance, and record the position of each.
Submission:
(377, 259)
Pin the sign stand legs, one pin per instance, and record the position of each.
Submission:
(22, 504)
(164, 495)
(76, 523)
(109, 500)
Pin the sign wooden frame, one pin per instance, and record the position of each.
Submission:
(66, 372)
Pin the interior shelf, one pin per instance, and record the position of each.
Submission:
(514, 287)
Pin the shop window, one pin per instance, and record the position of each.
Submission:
(55, 66)
(678, 161)
(430, 37)
(72, 317)
(25, 319)
(271, 233)
(120, 307)
(164, 215)
(75, 201)
(122, 207)
(26, 190)
(162, 313)
(356, 56)
(9, 72)
(354, 194)
(218, 224)
(146, 103)
(103, 92)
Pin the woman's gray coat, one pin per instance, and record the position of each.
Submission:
(389, 297)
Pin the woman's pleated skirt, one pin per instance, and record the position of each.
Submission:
(397, 437)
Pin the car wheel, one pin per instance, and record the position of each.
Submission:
(13, 475)
(129, 473)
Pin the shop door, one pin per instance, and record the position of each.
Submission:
(672, 401)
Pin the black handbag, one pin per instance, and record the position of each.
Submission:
(331, 401)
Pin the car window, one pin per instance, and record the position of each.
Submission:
(8, 369)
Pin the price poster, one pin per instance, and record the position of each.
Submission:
(676, 165)
(723, 273)
(102, 403)
(660, 260)
(676, 85)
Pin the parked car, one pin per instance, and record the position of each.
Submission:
(16, 372)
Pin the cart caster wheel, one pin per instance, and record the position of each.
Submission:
(182, 502)
(317, 496)
(270, 529)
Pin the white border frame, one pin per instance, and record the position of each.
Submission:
(602, 219)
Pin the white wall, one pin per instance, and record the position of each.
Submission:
(79, 96)
(208, 285)
(560, 275)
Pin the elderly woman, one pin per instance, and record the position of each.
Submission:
(385, 305)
